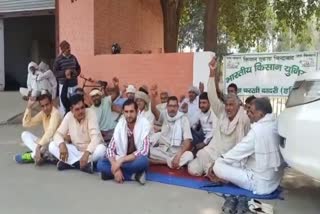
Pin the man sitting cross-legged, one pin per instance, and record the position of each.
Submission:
(127, 152)
(85, 143)
(50, 118)
(174, 144)
(232, 125)
(255, 163)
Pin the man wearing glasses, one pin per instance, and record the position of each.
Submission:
(78, 142)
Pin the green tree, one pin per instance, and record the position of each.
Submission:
(242, 22)
(191, 25)
(307, 40)
(191, 28)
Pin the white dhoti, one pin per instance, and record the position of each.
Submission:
(200, 165)
(25, 92)
(154, 137)
(164, 153)
(234, 174)
(74, 155)
(30, 141)
(207, 156)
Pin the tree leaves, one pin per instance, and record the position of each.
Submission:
(191, 25)
(249, 23)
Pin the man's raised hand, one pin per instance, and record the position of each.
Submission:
(115, 81)
(31, 102)
(213, 66)
(154, 90)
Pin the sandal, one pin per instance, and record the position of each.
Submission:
(242, 206)
(230, 205)
(258, 207)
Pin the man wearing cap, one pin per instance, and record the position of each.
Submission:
(163, 98)
(47, 74)
(143, 101)
(66, 64)
(190, 105)
(102, 106)
(130, 92)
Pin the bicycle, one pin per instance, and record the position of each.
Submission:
(102, 85)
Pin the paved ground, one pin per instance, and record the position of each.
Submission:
(33, 190)
(11, 104)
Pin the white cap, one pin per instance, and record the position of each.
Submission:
(131, 89)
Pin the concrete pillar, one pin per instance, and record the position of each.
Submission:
(2, 80)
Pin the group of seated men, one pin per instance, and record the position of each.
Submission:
(119, 135)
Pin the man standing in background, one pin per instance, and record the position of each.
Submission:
(64, 65)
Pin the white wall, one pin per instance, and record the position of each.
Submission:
(2, 81)
(201, 68)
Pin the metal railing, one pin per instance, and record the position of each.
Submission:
(278, 103)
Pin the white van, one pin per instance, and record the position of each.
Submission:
(299, 126)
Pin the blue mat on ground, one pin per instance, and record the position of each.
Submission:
(208, 186)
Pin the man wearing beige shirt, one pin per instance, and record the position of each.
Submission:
(78, 142)
(50, 119)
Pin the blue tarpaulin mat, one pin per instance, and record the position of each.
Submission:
(208, 186)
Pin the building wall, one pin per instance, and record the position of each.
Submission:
(134, 24)
(171, 72)
(78, 24)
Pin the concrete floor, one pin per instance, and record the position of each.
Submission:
(11, 104)
(33, 190)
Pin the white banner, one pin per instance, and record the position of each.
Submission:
(267, 74)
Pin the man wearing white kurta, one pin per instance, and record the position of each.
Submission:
(255, 162)
(36, 83)
(78, 140)
(51, 81)
(173, 146)
(233, 124)
(163, 98)
(202, 131)
(143, 101)
(190, 105)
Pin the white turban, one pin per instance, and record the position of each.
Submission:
(194, 89)
(95, 92)
(143, 96)
(131, 89)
